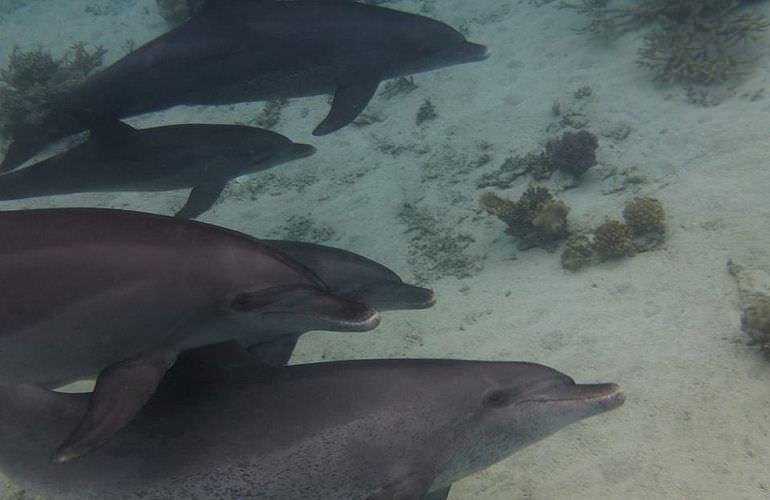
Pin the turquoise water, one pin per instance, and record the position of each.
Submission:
(402, 185)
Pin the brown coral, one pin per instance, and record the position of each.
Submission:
(612, 239)
(537, 219)
(644, 216)
(756, 322)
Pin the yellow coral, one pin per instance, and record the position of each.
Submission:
(645, 216)
(612, 239)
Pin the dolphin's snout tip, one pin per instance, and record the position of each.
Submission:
(612, 396)
(305, 150)
(477, 51)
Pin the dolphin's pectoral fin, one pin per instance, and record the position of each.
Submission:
(275, 352)
(349, 100)
(441, 494)
(201, 199)
(413, 487)
(121, 391)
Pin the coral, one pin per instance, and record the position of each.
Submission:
(577, 253)
(536, 219)
(426, 112)
(756, 322)
(551, 217)
(33, 81)
(645, 215)
(574, 152)
(696, 41)
(612, 239)
(646, 218)
(177, 11)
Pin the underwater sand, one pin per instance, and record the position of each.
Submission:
(663, 324)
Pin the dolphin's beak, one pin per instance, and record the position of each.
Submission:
(303, 150)
(583, 400)
(475, 51)
(397, 296)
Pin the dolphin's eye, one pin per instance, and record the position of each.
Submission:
(496, 399)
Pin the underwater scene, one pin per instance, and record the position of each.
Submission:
(384, 249)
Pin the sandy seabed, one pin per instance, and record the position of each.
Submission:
(663, 324)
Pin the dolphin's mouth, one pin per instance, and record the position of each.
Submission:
(476, 51)
(600, 397)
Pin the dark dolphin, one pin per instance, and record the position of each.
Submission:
(349, 276)
(355, 430)
(120, 294)
(117, 157)
(244, 50)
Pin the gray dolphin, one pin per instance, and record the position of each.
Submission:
(245, 50)
(120, 294)
(355, 430)
(117, 157)
(347, 275)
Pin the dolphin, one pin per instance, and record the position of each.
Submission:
(120, 294)
(347, 275)
(350, 430)
(245, 50)
(117, 157)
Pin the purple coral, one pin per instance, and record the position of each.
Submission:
(574, 152)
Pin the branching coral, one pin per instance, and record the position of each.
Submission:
(696, 41)
(34, 80)
(536, 219)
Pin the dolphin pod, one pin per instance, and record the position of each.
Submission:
(120, 294)
(352, 430)
(189, 327)
(253, 50)
(117, 157)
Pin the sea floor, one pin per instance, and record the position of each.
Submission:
(664, 324)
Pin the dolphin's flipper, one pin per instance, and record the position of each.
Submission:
(201, 199)
(275, 352)
(441, 494)
(349, 100)
(121, 391)
(413, 487)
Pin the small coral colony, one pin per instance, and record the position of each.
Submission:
(134, 305)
